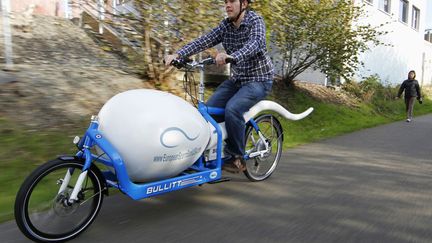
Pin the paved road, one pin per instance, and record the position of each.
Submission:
(368, 186)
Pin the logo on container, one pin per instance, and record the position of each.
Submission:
(172, 137)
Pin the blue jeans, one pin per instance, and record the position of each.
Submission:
(237, 99)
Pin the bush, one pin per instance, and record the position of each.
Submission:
(371, 90)
(353, 88)
(369, 87)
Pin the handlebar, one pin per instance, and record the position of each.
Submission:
(189, 64)
(186, 65)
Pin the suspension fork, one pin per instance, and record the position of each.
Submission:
(86, 145)
(79, 183)
(65, 180)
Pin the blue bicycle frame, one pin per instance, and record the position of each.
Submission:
(205, 171)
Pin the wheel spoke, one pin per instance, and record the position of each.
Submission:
(262, 166)
(42, 212)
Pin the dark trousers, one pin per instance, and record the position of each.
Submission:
(237, 99)
(409, 106)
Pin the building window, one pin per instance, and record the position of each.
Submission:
(428, 35)
(415, 18)
(385, 5)
(403, 11)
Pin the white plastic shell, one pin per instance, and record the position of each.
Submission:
(157, 134)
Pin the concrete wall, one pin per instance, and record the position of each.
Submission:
(47, 7)
(313, 76)
(310, 75)
(406, 45)
(44, 7)
(426, 78)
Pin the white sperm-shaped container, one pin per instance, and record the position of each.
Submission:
(157, 134)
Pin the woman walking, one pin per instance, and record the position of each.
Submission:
(412, 92)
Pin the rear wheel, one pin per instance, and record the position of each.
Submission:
(265, 150)
(43, 211)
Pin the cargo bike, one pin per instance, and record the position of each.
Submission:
(144, 143)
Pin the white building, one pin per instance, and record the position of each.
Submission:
(407, 50)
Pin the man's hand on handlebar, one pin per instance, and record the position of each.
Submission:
(180, 62)
(221, 58)
(169, 58)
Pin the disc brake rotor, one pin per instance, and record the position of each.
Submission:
(62, 207)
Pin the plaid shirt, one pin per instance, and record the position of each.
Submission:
(247, 45)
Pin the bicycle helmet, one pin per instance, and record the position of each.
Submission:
(241, 10)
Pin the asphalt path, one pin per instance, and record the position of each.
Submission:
(369, 186)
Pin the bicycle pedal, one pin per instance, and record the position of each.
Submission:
(223, 179)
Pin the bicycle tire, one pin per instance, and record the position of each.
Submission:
(271, 159)
(55, 209)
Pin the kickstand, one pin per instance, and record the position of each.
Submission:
(223, 179)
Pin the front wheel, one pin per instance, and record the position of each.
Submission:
(264, 149)
(42, 209)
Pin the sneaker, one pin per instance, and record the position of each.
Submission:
(408, 120)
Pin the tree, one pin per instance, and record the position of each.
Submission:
(167, 25)
(321, 35)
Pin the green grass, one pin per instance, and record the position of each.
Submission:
(22, 150)
(329, 120)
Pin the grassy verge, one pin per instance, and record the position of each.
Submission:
(21, 149)
(329, 120)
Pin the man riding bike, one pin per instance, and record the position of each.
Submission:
(243, 37)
